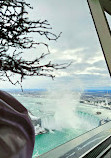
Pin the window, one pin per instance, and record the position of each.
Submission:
(78, 100)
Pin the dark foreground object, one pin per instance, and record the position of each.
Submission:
(17, 135)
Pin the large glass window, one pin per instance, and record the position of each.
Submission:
(78, 99)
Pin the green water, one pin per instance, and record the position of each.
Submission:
(45, 142)
(48, 141)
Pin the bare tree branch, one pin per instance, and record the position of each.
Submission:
(15, 28)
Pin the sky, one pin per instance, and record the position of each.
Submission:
(78, 44)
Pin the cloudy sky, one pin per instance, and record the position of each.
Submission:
(78, 43)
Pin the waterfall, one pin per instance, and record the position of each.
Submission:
(87, 118)
(82, 120)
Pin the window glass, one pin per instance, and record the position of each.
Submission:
(78, 99)
(109, 19)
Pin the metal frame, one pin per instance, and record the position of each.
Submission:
(102, 29)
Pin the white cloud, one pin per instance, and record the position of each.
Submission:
(75, 55)
(88, 71)
(98, 56)
(61, 73)
(83, 62)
